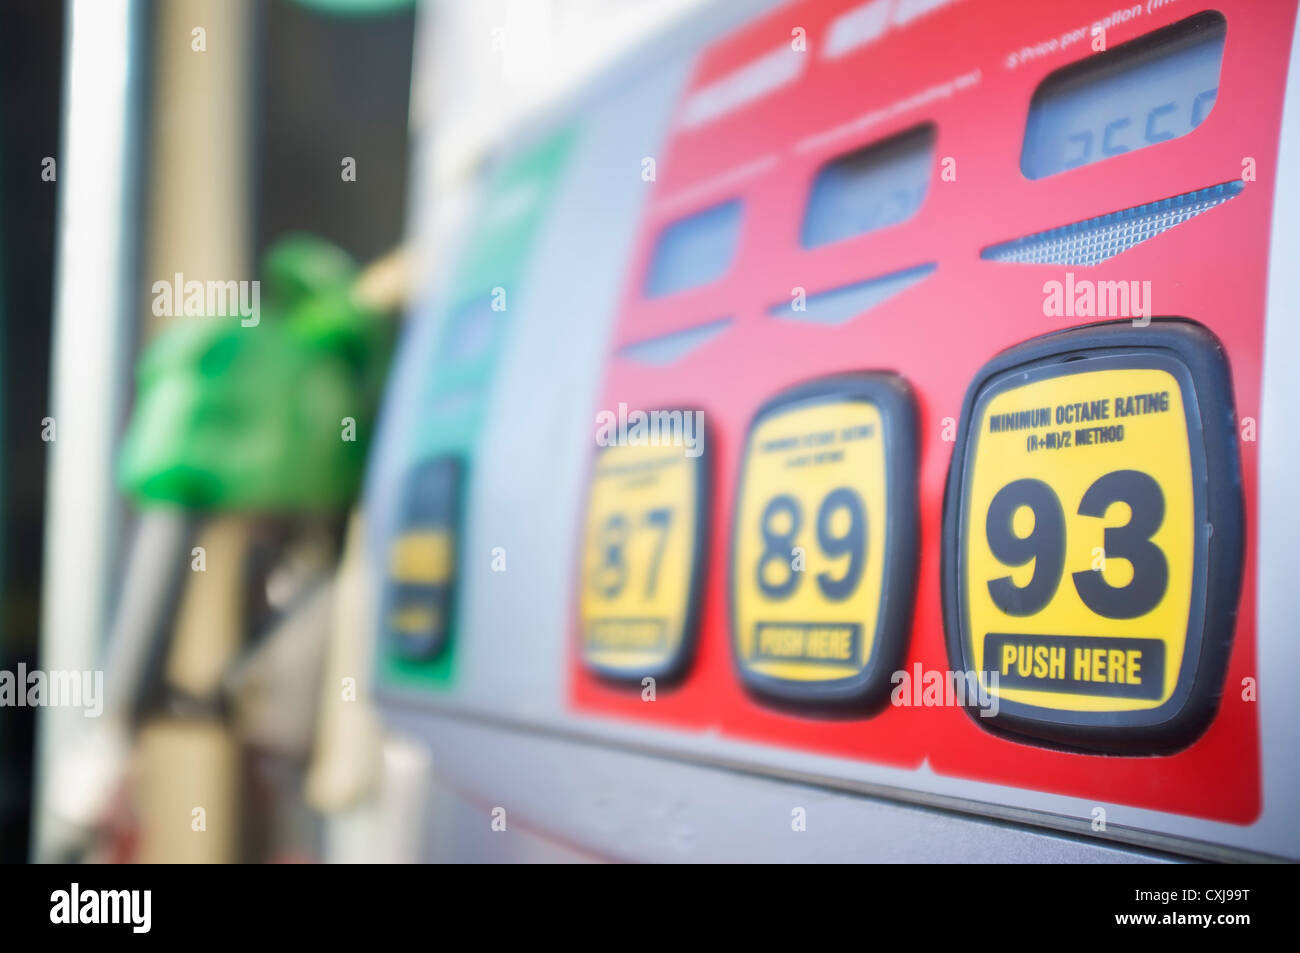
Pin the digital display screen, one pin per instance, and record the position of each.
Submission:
(1156, 88)
(883, 184)
(695, 250)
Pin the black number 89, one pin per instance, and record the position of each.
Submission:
(779, 545)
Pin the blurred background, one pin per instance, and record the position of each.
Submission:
(310, 143)
(307, 306)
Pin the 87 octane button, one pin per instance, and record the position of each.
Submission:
(642, 555)
(1092, 536)
(823, 555)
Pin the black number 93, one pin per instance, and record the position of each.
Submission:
(1045, 546)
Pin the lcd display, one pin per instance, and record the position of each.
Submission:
(1156, 88)
(882, 184)
(695, 250)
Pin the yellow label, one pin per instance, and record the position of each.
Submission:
(639, 555)
(414, 620)
(808, 557)
(1077, 540)
(424, 557)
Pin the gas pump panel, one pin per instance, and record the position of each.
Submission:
(972, 308)
(430, 432)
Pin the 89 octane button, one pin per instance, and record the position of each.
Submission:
(1092, 536)
(642, 557)
(824, 543)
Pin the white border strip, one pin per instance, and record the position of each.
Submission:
(1277, 516)
(93, 289)
(756, 79)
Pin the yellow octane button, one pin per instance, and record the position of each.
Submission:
(419, 591)
(824, 542)
(642, 551)
(424, 557)
(1093, 536)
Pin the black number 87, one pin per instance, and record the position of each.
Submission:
(1045, 546)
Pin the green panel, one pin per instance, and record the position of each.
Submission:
(358, 8)
(470, 338)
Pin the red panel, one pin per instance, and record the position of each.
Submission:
(939, 332)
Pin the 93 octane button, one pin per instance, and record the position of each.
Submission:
(824, 542)
(642, 553)
(1092, 539)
